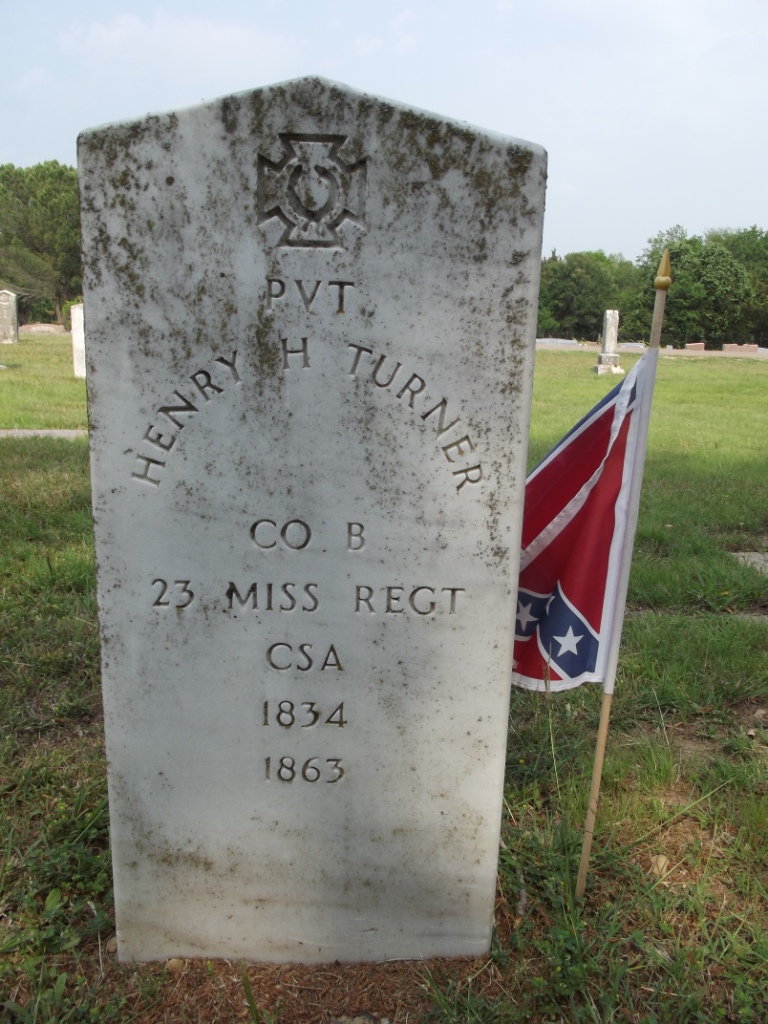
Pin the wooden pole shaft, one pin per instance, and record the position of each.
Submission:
(661, 283)
(658, 316)
(594, 794)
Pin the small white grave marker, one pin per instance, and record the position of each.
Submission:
(311, 325)
(78, 339)
(608, 360)
(9, 321)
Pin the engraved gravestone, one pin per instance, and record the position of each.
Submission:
(9, 323)
(311, 321)
(78, 339)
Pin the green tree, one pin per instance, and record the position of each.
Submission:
(709, 296)
(40, 233)
(626, 279)
(750, 247)
(578, 288)
(661, 241)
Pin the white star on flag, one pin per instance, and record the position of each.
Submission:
(569, 642)
(524, 614)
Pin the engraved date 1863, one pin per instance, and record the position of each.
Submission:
(314, 769)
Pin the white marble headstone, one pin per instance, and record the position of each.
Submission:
(311, 322)
(608, 360)
(78, 339)
(9, 321)
(611, 330)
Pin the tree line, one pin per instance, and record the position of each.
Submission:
(40, 238)
(719, 290)
(719, 287)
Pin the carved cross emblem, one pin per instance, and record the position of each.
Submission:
(311, 190)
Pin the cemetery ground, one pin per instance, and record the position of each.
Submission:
(674, 925)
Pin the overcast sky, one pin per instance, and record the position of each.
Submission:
(653, 111)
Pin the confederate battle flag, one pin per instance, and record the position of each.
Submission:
(578, 531)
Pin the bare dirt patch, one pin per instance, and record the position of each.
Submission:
(213, 991)
(757, 559)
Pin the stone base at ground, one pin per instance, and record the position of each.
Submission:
(608, 364)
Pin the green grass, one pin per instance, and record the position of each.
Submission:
(39, 391)
(686, 773)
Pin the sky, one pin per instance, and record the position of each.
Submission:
(653, 112)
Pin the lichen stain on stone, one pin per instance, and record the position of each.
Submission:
(186, 859)
(519, 160)
(121, 142)
(230, 114)
(263, 354)
(129, 269)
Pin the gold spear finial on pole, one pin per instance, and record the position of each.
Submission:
(663, 279)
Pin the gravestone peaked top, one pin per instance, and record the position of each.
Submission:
(311, 319)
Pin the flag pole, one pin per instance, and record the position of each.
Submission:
(661, 283)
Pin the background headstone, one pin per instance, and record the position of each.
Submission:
(9, 321)
(311, 329)
(78, 339)
(608, 360)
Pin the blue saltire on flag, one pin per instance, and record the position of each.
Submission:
(574, 563)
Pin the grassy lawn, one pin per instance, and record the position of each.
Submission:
(674, 925)
(39, 390)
